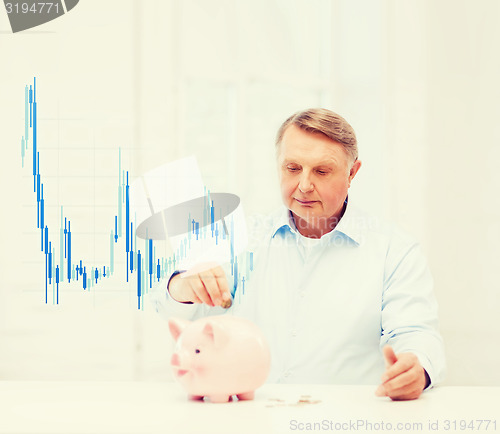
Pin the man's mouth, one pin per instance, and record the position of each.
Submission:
(182, 372)
(305, 202)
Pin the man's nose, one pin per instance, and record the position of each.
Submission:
(305, 184)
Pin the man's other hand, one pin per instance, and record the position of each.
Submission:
(404, 377)
(208, 286)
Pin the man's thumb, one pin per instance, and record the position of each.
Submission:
(389, 356)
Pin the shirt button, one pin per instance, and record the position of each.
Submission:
(287, 374)
(294, 333)
(302, 293)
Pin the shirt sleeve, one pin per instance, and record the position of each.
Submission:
(410, 310)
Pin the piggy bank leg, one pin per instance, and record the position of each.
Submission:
(219, 398)
(246, 396)
(195, 398)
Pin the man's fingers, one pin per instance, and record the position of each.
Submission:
(199, 290)
(195, 299)
(411, 390)
(404, 363)
(209, 287)
(389, 356)
(218, 272)
(402, 380)
(404, 394)
(212, 287)
(405, 386)
(218, 287)
(223, 284)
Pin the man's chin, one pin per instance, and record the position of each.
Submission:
(308, 218)
(312, 220)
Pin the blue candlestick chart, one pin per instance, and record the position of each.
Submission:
(62, 264)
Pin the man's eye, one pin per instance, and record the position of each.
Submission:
(197, 351)
(322, 172)
(293, 169)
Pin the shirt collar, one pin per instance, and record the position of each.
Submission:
(283, 221)
(349, 225)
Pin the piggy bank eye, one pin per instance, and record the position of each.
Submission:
(197, 351)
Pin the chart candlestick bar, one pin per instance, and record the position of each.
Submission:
(62, 262)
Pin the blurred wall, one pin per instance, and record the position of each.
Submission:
(463, 139)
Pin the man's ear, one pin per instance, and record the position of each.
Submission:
(354, 169)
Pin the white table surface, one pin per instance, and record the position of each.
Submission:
(148, 407)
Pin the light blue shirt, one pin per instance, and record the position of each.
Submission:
(327, 306)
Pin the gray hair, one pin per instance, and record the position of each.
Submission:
(320, 120)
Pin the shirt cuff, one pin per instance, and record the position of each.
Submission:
(175, 273)
(424, 361)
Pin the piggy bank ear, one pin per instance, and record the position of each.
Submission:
(176, 326)
(217, 333)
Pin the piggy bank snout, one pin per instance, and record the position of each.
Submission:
(175, 360)
(180, 368)
(180, 360)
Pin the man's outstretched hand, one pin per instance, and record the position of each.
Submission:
(404, 377)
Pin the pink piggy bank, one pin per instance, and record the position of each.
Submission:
(219, 356)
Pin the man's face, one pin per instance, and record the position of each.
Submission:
(315, 173)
